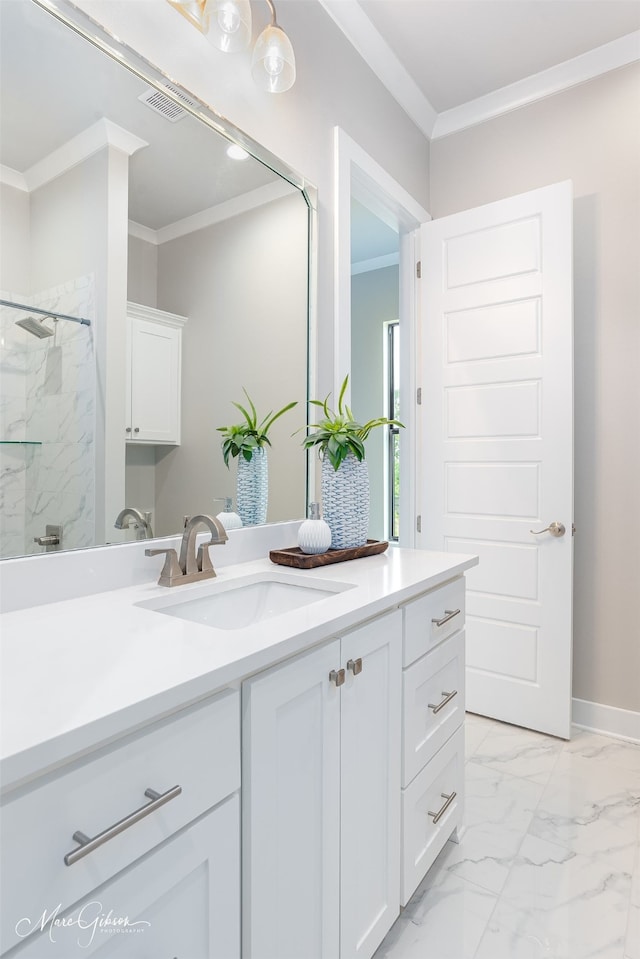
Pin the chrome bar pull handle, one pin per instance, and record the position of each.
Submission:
(448, 614)
(355, 666)
(87, 844)
(337, 677)
(555, 528)
(447, 699)
(437, 816)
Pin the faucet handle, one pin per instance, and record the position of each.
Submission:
(171, 573)
(204, 560)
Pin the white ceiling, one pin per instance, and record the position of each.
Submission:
(437, 57)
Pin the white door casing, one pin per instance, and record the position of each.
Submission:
(497, 450)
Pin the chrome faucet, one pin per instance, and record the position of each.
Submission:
(141, 522)
(191, 566)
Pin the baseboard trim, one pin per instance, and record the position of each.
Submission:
(610, 720)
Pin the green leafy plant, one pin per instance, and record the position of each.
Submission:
(339, 433)
(243, 439)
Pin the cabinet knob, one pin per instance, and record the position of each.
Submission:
(337, 677)
(128, 429)
(355, 666)
(137, 429)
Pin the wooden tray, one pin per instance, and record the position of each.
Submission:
(293, 555)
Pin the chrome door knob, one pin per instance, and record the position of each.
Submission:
(555, 528)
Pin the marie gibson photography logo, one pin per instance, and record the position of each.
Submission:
(90, 920)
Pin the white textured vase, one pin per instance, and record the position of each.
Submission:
(253, 488)
(345, 501)
(314, 535)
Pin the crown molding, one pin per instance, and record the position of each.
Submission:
(142, 232)
(138, 311)
(594, 63)
(374, 49)
(214, 214)
(375, 263)
(13, 178)
(103, 133)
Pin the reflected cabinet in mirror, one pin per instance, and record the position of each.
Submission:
(122, 208)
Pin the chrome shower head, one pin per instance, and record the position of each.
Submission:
(36, 327)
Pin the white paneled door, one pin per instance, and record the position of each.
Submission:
(497, 385)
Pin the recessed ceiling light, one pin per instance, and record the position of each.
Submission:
(236, 152)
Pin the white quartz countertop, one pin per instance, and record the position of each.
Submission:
(80, 673)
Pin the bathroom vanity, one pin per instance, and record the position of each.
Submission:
(151, 758)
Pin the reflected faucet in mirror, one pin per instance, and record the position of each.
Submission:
(129, 518)
(192, 566)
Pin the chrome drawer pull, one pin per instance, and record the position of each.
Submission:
(87, 845)
(447, 699)
(448, 614)
(437, 816)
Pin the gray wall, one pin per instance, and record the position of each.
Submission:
(590, 134)
(69, 225)
(14, 240)
(142, 271)
(374, 300)
(242, 284)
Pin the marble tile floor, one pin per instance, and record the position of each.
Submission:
(548, 866)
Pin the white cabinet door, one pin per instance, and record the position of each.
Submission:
(180, 902)
(291, 809)
(498, 443)
(370, 785)
(155, 382)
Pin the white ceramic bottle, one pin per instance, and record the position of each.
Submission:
(227, 517)
(314, 535)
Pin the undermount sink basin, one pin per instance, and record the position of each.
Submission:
(247, 601)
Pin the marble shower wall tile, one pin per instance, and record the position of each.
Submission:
(50, 398)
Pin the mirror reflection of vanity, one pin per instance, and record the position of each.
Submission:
(120, 204)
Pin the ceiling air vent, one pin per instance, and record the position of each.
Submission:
(162, 104)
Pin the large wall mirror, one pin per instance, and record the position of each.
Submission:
(120, 205)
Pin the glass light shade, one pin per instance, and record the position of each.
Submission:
(273, 65)
(229, 24)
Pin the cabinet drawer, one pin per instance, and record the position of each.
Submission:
(421, 618)
(198, 750)
(422, 836)
(433, 697)
(181, 900)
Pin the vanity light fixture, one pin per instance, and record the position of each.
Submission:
(236, 152)
(273, 65)
(228, 24)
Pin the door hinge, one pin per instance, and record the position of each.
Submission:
(419, 396)
(573, 529)
(419, 269)
(419, 524)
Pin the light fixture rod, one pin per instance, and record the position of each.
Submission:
(35, 309)
(271, 6)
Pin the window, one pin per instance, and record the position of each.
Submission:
(392, 382)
